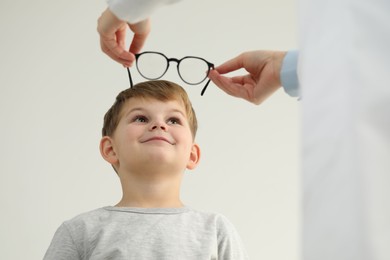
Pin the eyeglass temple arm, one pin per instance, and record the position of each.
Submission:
(211, 66)
(130, 79)
(205, 87)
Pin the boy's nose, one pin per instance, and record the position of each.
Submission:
(158, 125)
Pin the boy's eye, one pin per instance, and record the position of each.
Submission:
(174, 121)
(140, 119)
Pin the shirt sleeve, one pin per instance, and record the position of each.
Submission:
(288, 74)
(62, 246)
(230, 246)
(134, 11)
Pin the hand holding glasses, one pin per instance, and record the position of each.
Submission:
(153, 65)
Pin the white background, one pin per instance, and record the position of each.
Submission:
(56, 85)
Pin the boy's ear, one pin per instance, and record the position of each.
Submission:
(194, 157)
(107, 150)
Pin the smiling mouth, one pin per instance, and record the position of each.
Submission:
(157, 139)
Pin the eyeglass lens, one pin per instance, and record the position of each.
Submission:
(193, 70)
(152, 65)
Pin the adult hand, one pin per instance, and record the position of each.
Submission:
(261, 82)
(113, 37)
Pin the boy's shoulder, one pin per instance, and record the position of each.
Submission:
(218, 220)
(207, 214)
(87, 217)
(87, 214)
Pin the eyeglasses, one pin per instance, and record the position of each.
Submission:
(153, 65)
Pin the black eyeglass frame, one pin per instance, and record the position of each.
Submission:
(209, 64)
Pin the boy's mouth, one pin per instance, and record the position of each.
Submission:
(158, 139)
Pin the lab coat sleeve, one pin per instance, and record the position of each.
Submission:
(288, 74)
(134, 11)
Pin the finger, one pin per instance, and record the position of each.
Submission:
(137, 43)
(113, 47)
(231, 86)
(121, 38)
(141, 32)
(231, 65)
(119, 51)
(125, 62)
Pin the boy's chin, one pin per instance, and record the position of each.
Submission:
(158, 161)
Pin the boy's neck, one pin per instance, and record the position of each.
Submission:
(150, 192)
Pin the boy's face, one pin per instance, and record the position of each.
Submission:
(152, 132)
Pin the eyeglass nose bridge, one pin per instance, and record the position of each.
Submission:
(173, 59)
(177, 65)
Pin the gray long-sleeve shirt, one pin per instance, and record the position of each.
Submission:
(145, 233)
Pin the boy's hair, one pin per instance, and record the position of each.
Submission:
(161, 90)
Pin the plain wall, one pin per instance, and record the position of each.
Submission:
(56, 85)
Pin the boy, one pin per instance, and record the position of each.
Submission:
(148, 138)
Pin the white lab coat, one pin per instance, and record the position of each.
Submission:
(344, 71)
